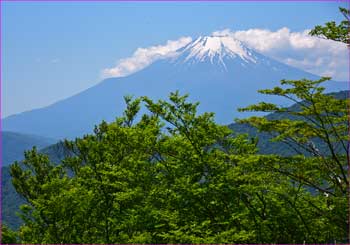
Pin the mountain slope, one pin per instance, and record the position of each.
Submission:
(220, 72)
(14, 144)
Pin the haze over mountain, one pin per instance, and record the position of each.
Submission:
(218, 71)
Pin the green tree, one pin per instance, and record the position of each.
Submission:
(95, 190)
(8, 236)
(333, 31)
(341, 33)
(319, 120)
(171, 176)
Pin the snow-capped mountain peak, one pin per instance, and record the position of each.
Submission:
(216, 49)
(218, 71)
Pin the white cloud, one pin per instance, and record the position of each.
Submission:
(142, 57)
(299, 49)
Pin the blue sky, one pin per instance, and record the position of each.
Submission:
(53, 50)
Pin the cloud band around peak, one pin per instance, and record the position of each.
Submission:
(315, 55)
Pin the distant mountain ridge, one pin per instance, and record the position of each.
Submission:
(14, 144)
(218, 71)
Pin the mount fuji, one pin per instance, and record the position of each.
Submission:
(218, 71)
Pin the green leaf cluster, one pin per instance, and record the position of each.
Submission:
(333, 31)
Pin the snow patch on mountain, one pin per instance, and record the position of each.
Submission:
(215, 49)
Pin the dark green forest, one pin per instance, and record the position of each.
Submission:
(172, 175)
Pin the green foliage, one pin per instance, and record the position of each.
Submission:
(333, 31)
(173, 176)
(321, 118)
(8, 236)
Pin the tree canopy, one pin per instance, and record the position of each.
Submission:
(172, 176)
